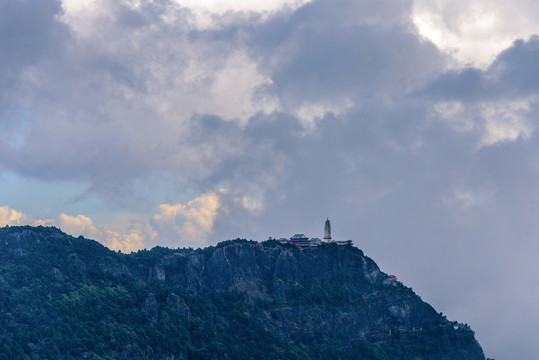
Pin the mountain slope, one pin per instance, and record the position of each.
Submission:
(71, 298)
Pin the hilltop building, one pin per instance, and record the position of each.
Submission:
(303, 241)
(327, 231)
(300, 240)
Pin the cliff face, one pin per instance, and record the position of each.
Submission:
(65, 297)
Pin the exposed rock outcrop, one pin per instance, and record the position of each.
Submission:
(239, 299)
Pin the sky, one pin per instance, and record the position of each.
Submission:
(410, 124)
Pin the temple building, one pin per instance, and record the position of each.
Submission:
(300, 240)
(303, 241)
(327, 231)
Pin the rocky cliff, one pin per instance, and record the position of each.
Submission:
(71, 298)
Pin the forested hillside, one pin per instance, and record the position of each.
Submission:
(71, 298)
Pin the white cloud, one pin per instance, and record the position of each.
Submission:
(137, 237)
(229, 86)
(192, 224)
(474, 32)
(12, 217)
(174, 225)
(232, 93)
(454, 113)
(309, 113)
(223, 6)
(461, 198)
(494, 121)
(205, 14)
(211, 14)
(75, 225)
(134, 239)
(505, 121)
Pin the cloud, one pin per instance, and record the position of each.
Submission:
(134, 239)
(215, 14)
(203, 15)
(79, 225)
(301, 110)
(475, 32)
(511, 75)
(74, 224)
(506, 122)
(464, 199)
(223, 6)
(138, 236)
(12, 217)
(241, 103)
(357, 58)
(128, 94)
(28, 33)
(152, 80)
(193, 223)
(492, 121)
(308, 113)
(176, 225)
(498, 103)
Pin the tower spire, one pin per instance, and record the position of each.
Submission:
(327, 231)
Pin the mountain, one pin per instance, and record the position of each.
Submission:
(71, 298)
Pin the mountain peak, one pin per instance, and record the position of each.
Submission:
(68, 297)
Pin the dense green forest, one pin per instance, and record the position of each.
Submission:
(71, 298)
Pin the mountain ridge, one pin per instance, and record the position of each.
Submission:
(72, 298)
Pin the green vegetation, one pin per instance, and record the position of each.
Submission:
(71, 298)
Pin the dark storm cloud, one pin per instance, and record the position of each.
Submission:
(28, 34)
(28, 31)
(329, 49)
(517, 69)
